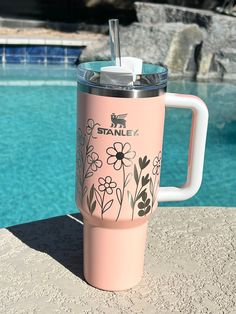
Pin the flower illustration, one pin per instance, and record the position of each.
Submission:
(94, 161)
(106, 184)
(90, 125)
(120, 155)
(157, 164)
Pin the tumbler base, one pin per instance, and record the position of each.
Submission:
(114, 258)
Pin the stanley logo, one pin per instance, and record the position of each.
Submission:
(118, 123)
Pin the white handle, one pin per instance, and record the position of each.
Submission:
(196, 147)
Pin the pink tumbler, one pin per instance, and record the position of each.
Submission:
(119, 153)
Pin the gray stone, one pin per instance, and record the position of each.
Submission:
(189, 267)
(173, 45)
(149, 13)
(226, 60)
(219, 32)
(221, 35)
(99, 50)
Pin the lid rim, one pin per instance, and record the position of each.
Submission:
(157, 90)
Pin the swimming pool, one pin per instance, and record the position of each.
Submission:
(37, 143)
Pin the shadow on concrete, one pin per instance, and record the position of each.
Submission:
(59, 237)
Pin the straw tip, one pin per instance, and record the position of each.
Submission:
(113, 21)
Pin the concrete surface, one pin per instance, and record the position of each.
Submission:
(190, 267)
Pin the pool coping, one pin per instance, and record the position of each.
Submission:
(65, 26)
(189, 266)
(7, 40)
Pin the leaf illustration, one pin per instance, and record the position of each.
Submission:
(130, 198)
(151, 187)
(143, 162)
(98, 197)
(118, 195)
(144, 196)
(145, 180)
(140, 162)
(147, 209)
(147, 202)
(127, 179)
(141, 205)
(107, 206)
(89, 174)
(141, 194)
(141, 212)
(85, 190)
(136, 174)
(93, 206)
(89, 149)
(146, 162)
(91, 194)
(88, 203)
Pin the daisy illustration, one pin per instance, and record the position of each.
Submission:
(120, 155)
(106, 185)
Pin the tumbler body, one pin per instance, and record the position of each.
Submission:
(119, 148)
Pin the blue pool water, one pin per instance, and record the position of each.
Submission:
(37, 143)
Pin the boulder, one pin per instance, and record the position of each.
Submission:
(149, 13)
(99, 50)
(173, 45)
(226, 60)
(220, 39)
(219, 31)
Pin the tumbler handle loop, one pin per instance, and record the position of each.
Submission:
(196, 147)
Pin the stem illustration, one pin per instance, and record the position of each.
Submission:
(122, 193)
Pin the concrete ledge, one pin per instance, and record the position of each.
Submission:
(190, 266)
(6, 40)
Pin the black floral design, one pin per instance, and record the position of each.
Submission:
(154, 182)
(106, 184)
(144, 205)
(120, 155)
(140, 191)
(90, 126)
(157, 164)
(94, 161)
(88, 161)
(90, 200)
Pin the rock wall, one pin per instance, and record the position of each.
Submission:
(193, 43)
